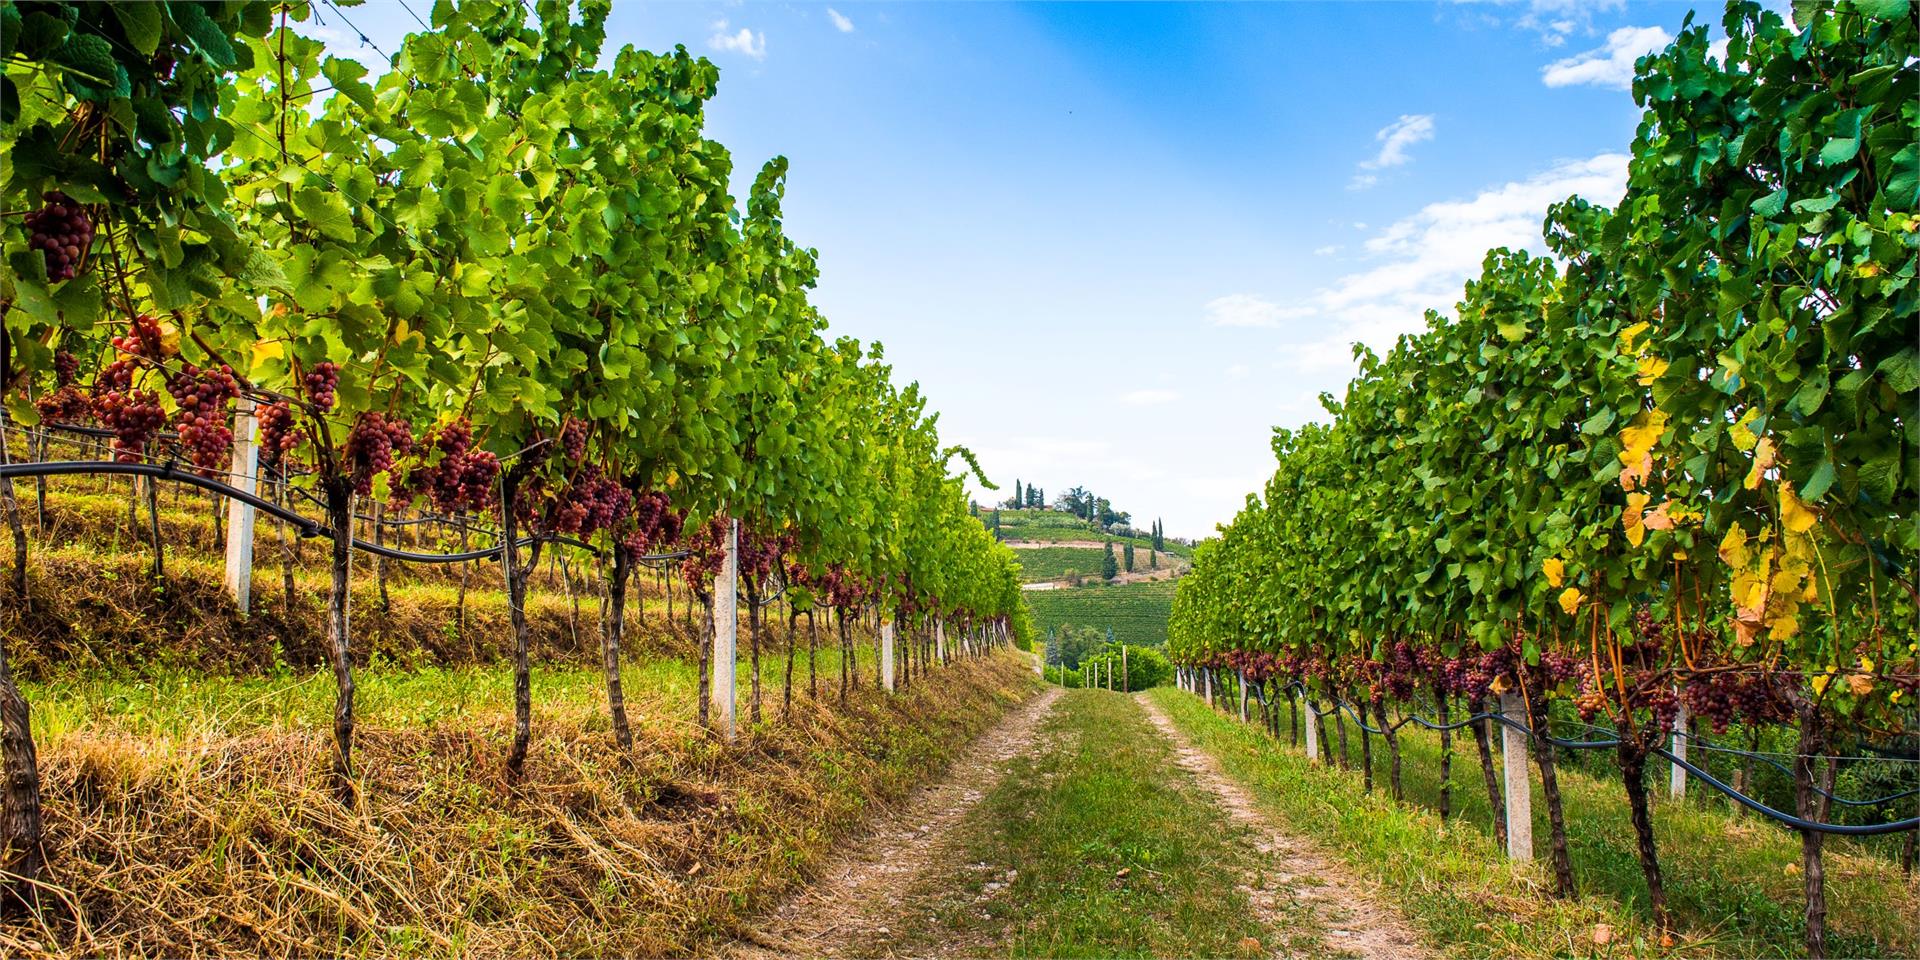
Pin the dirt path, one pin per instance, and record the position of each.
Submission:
(852, 902)
(1351, 919)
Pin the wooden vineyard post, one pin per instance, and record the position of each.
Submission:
(1677, 781)
(1313, 728)
(246, 462)
(886, 656)
(726, 623)
(1242, 676)
(1513, 754)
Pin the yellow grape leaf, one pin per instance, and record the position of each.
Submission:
(1631, 334)
(1650, 370)
(264, 350)
(1783, 627)
(1765, 455)
(169, 339)
(1632, 515)
(1866, 664)
(1570, 600)
(1499, 684)
(1555, 570)
(1796, 516)
(1742, 432)
(1733, 547)
(1820, 683)
(1636, 443)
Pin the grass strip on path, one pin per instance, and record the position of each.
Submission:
(1096, 844)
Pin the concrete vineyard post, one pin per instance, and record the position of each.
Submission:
(1208, 674)
(1513, 754)
(725, 628)
(1677, 780)
(886, 656)
(246, 462)
(1126, 678)
(1241, 675)
(1313, 729)
(940, 641)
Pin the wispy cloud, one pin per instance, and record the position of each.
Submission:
(1610, 64)
(742, 41)
(1397, 136)
(1394, 139)
(1326, 251)
(1420, 261)
(840, 21)
(1247, 310)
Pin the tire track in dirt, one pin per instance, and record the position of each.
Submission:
(1352, 920)
(853, 900)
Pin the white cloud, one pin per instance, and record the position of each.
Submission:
(1238, 371)
(743, 41)
(1396, 137)
(840, 21)
(1609, 65)
(1150, 398)
(1361, 181)
(1326, 251)
(1247, 310)
(1421, 261)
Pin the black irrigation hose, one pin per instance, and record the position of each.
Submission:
(307, 527)
(1862, 830)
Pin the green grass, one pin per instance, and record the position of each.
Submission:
(1113, 853)
(1732, 885)
(1052, 563)
(1137, 612)
(184, 705)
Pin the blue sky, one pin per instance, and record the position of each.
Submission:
(1117, 243)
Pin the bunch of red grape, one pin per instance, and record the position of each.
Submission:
(655, 523)
(134, 416)
(277, 435)
(321, 382)
(371, 446)
(63, 232)
(1754, 696)
(592, 501)
(573, 439)
(201, 397)
(706, 553)
(115, 377)
(142, 339)
(65, 405)
(463, 478)
(65, 365)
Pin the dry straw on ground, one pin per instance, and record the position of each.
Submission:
(233, 848)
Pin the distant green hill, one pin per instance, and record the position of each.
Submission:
(1137, 612)
(1052, 527)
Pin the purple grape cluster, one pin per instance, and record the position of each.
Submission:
(592, 501)
(134, 416)
(573, 439)
(63, 232)
(201, 398)
(655, 523)
(65, 366)
(321, 382)
(371, 446)
(463, 478)
(142, 339)
(277, 435)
